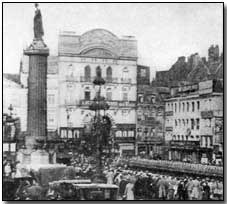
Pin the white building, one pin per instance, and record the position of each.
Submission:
(79, 59)
(191, 118)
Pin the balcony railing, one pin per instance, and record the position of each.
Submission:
(207, 114)
(169, 113)
(71, 102)
(126, 80)
(111, 80)
(179, 144)
(87, 79)
(125, 139)
(72, 78)
(111, 103)
(155, 140)
(91, 79)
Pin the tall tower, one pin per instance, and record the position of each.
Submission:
(37, 85)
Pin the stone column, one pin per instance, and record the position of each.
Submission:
(37, 91)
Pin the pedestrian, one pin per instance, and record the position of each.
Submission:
(196, 189)
(122, 186)
(189, 187)
(129, 191)
(206, 191)
(162, 189)
(8, 169)
(180, 190)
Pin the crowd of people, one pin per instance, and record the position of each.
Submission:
(144, 185)
(134, 184)
(172, 165)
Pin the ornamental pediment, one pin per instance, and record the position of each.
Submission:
(98, 52)
(98, 36)
(97, 42)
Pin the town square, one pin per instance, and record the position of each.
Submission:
(113, 101)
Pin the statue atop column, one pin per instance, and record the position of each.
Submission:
(38, 24)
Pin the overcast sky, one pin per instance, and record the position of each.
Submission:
(164, 31)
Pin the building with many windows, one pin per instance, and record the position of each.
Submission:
(150, 115)
(80, 57)
(194, 122)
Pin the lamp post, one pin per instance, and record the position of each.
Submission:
(98, 105)
(10, 108)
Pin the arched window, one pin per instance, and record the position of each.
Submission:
(174, 137)
(125, 133)
(179, 122)
(187, 106)
(98, 71)
(183, 106)
(109, 74)
(109, 94)
(87, 94)
(87, 73)
(193, 106)
(183, 122)
(198, 105)
(118, 133)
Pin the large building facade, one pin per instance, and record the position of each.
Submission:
(194, 122)
(79, 58)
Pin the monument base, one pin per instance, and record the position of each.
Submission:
(33, 157)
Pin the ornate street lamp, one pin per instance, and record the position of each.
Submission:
(98, 105)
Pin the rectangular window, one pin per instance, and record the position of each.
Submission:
(70, 135)
(131, 133)
(87, 95)
(125, 96)
(76, 134)
(143, 72)
(50, 99)
(109, 96)
(63, 133)
(125, 133)
(192, 124)
(198, 105)
(197, 123)
(50, 119)
(118, 133)
(175, 107)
